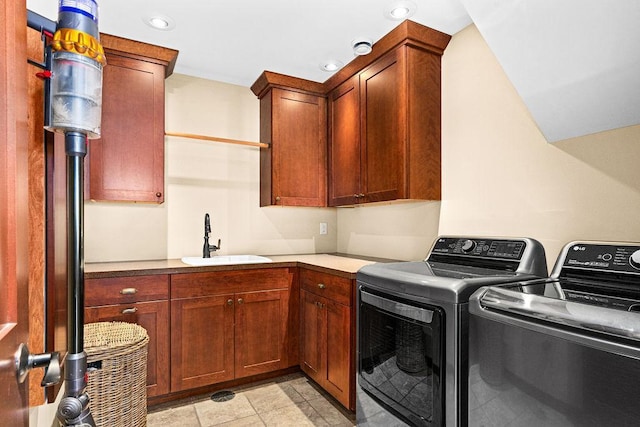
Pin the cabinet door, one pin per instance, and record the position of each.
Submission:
(383, 128)
(298, 150)
(339, 358)
(261, 343)
(312, 336)
(201, 341)
(344, 144)
(154, 317)
(127, 162)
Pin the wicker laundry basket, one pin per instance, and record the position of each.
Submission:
(117, 370)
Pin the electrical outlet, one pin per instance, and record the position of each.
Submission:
(323, 228)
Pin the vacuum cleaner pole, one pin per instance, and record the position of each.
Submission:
(73, 409)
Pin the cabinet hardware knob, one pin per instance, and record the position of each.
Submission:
(240, 300)
(361, 195)
(277, 198)
(356, 196)
(129, 310)
(229, 302)
(128, 291)
(319, 304)
(158, 194)
(321, 285)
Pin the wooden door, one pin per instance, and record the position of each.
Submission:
(202, 341)
(13, 209)
(261, 328)
(339, 357)
(127, 162)
(298, 149)
(384, 130)
(344, 144)
(312, 339)
(154, 317)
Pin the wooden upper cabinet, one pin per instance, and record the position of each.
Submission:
(127, 162)
(383, 129)
(293, 121)
(383, 126)
(394, 124)
(344, 143)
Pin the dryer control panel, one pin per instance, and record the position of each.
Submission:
(480, 247)
(603, 257)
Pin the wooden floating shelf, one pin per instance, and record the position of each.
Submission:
(217, 139)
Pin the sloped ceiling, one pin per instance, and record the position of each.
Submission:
(575, 63)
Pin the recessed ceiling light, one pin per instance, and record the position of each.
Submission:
(331, 66)
(362, 46)
(400, 9)
(160, 22)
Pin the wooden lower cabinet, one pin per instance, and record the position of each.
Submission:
(326, 337)
(122, 299)
(261, 343)
(234, 324)
(202, 341)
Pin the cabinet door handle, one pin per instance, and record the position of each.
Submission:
(129, 310)
(319, 304)
(321, 285)
(356, 196)
(158, 194)
(230, 302)
(361, 195)
(128, 291)
(240, 300)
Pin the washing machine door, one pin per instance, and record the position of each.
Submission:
(401, 356)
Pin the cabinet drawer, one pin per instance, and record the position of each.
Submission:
(126, 290)
(194, 285)
(327, 285)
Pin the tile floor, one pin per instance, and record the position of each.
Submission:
(292, 400)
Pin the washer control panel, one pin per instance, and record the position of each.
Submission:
(480, 247)
(606, 257)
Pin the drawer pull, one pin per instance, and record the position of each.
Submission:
(129, 310)
(129, 291)
(321, 285)
(229, 302)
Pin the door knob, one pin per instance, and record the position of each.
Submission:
(26, 361)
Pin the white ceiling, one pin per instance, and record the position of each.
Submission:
(234, 41)
(575, 63)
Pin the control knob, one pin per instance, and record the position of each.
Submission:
(469, 245)
(634, 259)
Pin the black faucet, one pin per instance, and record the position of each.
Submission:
(207, 248)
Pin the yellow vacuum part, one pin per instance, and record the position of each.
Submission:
(71, 40)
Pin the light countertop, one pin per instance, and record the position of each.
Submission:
(348, 265)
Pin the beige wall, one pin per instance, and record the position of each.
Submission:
(500, 176)
(201, 177)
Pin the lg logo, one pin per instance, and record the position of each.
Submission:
(579, 248)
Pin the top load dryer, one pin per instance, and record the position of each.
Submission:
(412, 325)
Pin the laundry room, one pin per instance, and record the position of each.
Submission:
(526, 154)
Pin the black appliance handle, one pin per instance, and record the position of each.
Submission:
(419, 314)
(607, 329)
